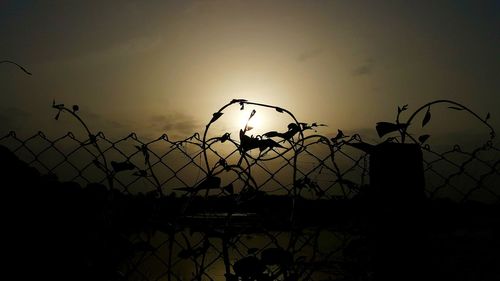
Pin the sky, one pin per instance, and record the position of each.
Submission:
(155, 67)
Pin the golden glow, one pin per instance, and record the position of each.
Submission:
(256, 122)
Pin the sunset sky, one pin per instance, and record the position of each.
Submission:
(166, 66)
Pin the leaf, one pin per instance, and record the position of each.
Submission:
(223, 162)
(401, 109)
(384, 128)
(248, 268)
(272, 134)
(58, 114)
(186, 253)
(268, 143)
(252, 114)
(229, 189)
(488, 116)
(455, 108)
(209, 183)
(92, 138)
(423, 138)
(141, 173)
(216, 116)
(340, 135)
(58, 106)
(238, 101)
(279, 109)
(293, 127)
(242, 106)
(276, 256)
(75, 108)
(252, 251)
(122, 166)
(225, 137)
(427, 117)
(98, 164)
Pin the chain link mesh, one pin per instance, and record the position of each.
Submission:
(203, 240)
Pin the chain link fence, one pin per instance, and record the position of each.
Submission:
(287, 214)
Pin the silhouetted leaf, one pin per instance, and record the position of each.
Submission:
(238, 101)
(268, 144)
(317, 125)
(273, 134)
(209, 183)
(276, 256)
(58, 106)
(401, 109)
(98, 164)
(216, 116)
(230, 277)
(340, 135)
(186, 253)
(252, 114)
(222, 162)
(384, 128)
(252, 251)
(141, 173)
(279, 109)
(423, 138)
(293, 126)
(75, 108)
(488, 116)
(57, 115)
(427, 117)
(455, 108)
(242, 106)
(122, 166)
(350, 184)
(249, 267)
(229, 188)
(92, 139)
(225, 137)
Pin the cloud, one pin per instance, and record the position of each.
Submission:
(13, 118)
(176, 123)
(309, 54)
(364, 69)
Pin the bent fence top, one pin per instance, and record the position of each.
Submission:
(318, 171)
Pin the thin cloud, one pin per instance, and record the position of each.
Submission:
(309, 54)
(175, 123)
(13, 118)
(365, 69)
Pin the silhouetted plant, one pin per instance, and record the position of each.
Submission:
(103, 163)
(271, 263)
(16, 64)
(384, 128)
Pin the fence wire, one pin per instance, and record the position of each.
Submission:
(167, 218)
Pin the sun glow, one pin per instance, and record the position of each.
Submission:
(255, 123)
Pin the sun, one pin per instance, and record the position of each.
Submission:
(254, 123)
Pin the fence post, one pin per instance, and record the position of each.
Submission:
(397, 179)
